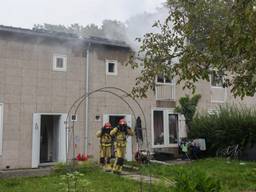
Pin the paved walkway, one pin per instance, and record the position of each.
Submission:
(147, 179)
(44, 171)
(134, 175)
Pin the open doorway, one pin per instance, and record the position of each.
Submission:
(114, 119)
(49, 141)
(49, 138)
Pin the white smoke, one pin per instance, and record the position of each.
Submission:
(141, 24)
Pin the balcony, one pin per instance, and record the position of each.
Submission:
(165, 91)
(218, 94)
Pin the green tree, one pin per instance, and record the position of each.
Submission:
(187, 107)
(197, 37)
(110, 29)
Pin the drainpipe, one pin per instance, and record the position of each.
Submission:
(86, 131)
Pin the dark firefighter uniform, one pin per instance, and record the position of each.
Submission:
(120, 133)
(105, 146)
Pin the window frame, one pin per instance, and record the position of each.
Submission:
(62, 56)
(166, 112)
(107, 62)
(211, 80)
(165, 83)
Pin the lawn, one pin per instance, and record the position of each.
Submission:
(99, 181)
(233, 177)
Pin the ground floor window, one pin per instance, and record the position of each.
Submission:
(1, 128)
(165, 127)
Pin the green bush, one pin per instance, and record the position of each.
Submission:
(229, 125)
(188, 180)
(187, 107)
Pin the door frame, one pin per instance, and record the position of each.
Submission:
(166, 112)
(128, 118)
(36, 133)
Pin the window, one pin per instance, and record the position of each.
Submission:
(111, 67)
(173, 127)
(160, 79)
(216, 79)
(59, 62)
(158, 127)
(1, 128)
(165, 127)
(73, 117)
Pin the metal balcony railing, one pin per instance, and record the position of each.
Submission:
(165, 92)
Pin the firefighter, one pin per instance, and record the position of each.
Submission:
(105, 146)
(121, 132)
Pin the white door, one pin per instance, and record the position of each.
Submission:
(36, 134)
(36, 139)
(62, 139)
(128, 156)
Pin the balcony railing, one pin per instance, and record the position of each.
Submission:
(218, 94)
(165, 92)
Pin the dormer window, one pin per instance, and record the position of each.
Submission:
(59, 62)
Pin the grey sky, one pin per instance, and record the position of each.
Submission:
(25, 13)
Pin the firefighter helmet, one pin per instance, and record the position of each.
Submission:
(107, 125)
(122, 122)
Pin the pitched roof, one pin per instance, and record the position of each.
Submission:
(64, 36)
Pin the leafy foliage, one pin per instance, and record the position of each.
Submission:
(110, 29)
(188, 180)
(229, 125)
(188, 107)
(74, 182)
(200, 36)
(233, 176)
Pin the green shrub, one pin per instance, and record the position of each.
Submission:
(74, 182)
(188, 180)
(230, 125)
(187, 107)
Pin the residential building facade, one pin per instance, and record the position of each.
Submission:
(43, 74)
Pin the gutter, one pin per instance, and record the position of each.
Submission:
(86, 131)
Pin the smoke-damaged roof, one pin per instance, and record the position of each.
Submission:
(104, 41)
(63, 35)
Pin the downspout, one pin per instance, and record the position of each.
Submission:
(86, 131)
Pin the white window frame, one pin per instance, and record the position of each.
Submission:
(115, 67)
(64, 57)
(166, 112)
(164, 83)
(216, 87)
(1, 127)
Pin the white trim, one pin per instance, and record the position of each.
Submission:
(1, 127)
(166, 112)
(212, 86)
(36, 131)
(115, 67)
(173, 82)
(225, 95)
(54, 67)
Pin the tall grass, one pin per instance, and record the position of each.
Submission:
(229, 125)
